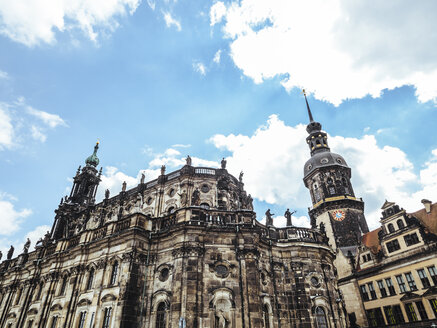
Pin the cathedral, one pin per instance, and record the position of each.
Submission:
(186, 250)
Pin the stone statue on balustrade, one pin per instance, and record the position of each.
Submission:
(288, 215)
(26, 246)
(269, 218)
(188, 160)
(10, 253)
(223, 163)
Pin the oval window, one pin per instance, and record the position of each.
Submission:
(221, 270)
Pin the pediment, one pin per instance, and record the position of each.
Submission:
(56, 307)
(108, 298)
(84, 302)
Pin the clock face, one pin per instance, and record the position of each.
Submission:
(339, 215)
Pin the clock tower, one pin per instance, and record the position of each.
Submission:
(327, 176)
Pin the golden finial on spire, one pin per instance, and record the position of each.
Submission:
(98, 141)
(304, 92)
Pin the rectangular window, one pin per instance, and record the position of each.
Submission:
(82, 320)
(422, 311)
(399, 316)
(375, 317)
(38, 296)
(401, 284)
(411, 312)
(63, 287)
(107, 317)
(411, 282)
(423, 278)
(17, 298)
(393, 246)
(390, 286)
(389, 315)
(411, 239)
(433, 304)
(54, 322)
(372, 291)
(382, 289)
(433, 274)
(364, 293)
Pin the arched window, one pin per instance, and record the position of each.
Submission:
(400, 223)
(89, 283)
(107, 317)
(82, 317)
(171, 210)
(316, 192)
(114, 273)
(321, 318)
(160, 316)
(391, 228)
(266, 316)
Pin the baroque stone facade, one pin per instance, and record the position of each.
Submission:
(184, 250)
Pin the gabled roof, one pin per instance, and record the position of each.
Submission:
(387, 204)
(410, 296)
(371, 240)
(428, 220)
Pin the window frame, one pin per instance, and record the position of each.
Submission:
(401, 284)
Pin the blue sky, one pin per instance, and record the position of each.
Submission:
(157, 80)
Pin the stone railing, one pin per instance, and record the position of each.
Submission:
(74, 241)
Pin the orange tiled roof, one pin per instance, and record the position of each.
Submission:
(371, 241)
(428, 220)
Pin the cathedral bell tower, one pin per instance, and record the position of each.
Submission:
(327, 176)
(73, 211)
(86, 182)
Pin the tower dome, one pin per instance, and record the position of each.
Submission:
(93, 160)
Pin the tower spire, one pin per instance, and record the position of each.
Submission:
(310, 115)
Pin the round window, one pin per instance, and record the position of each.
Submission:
(315, 282)
(221, 270)
(149, 200)
(172, 192)
(163, 275)
(339, 161)
(205, 188)
(324, 160)
(309, 167)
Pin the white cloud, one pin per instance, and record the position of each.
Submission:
(52, 120)
(11, 218)
(336, 49)
(36, 234)
(200, 68)
(37, 134)
(217, 12)
(217, 56)
(113, 179)
(274, 156)
(281, 222)
(180, 146)
(152, 4)
(19, 121)
(33, 22)
(6, 130)
(170, 21)
(3, 75)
